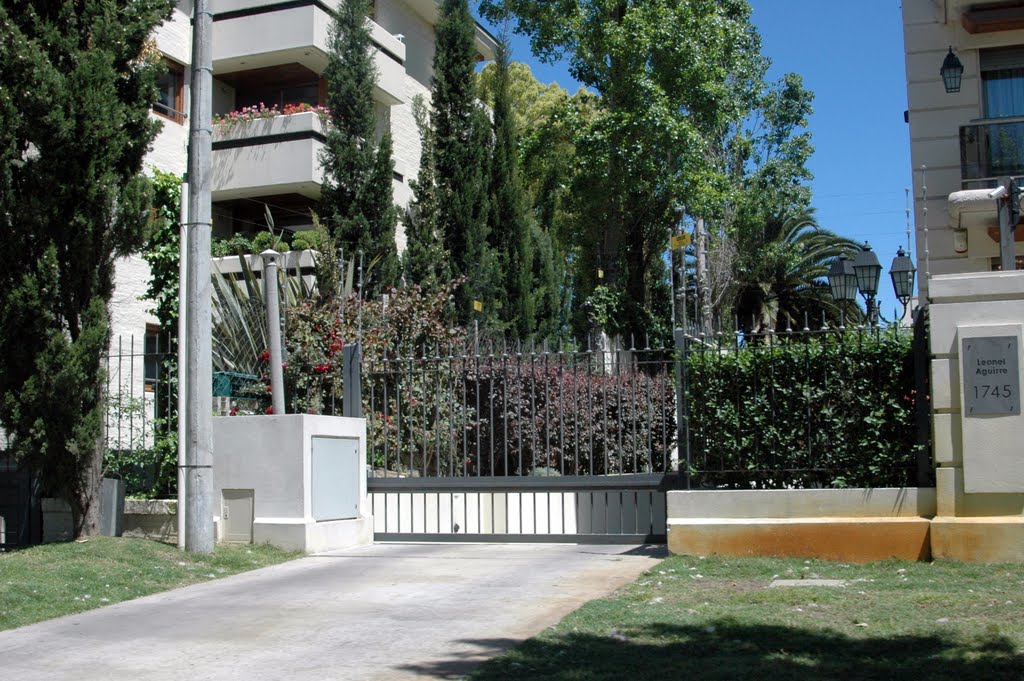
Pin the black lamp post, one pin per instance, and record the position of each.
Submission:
(868, 270)
(845, 278)
(952, 71)
(902, 272)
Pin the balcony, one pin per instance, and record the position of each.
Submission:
(274, 156)
(249, 34)
(268, 156)
(990, 150)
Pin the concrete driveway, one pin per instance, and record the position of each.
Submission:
(388, 611)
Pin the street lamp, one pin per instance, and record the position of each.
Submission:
(867, 268)
(845, 278)
(902, 272)
(952, 71)
(842, 279)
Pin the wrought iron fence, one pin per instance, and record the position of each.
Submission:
(830, 407)
(530, 413)
(141, 397)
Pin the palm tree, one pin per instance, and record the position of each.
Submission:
(781, 268)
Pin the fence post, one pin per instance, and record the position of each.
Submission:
(270, 296)
(682, 412)
(922, 403)
(351, 377)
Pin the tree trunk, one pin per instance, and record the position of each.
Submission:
(700, 234)
(86, 507)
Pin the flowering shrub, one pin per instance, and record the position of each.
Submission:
(318, 330)
(257, 112)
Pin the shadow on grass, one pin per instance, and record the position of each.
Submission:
(724, 650)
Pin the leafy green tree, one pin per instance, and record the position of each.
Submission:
(766, 158)
(510, 229)
(671, 76)
(461, 149)
(357, 200)
(77, 80)
(546, 118)
(766, 155)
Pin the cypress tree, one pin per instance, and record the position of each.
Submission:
(548, 275)
(77, 80)
(461, 152)
(509, 224)
(357, 201)
(424, 262)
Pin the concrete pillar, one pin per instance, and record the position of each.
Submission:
(977, 340)
(271, 295)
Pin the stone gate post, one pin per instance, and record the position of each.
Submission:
(977, 324)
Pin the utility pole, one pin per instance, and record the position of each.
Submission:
(199, 364)
(182, 357)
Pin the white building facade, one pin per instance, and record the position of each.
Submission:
(963, 141)
(271, 54)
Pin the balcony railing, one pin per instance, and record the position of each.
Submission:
(990, 150)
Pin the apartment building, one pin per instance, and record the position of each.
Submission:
(967, 133)
(274, 54)
(271, 53)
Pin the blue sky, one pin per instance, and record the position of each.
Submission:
(850, 55)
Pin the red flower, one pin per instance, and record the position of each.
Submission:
(264, 356)
(270, 410)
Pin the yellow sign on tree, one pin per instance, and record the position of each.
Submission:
(478, 306)
(680, 241)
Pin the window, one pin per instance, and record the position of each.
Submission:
(1002, 82)
(153, 353)
(169, 102)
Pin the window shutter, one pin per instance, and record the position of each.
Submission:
(1002, 58)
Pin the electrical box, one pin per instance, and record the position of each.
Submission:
(237, 515)
(335, 472)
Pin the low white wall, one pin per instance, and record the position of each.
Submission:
(155, 519)
(888, 502)
(857, 525)
(273, 456)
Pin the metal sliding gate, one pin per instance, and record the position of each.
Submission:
(595, 509)
(521, 446)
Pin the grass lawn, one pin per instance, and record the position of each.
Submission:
(717, 619)
(48, 581)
